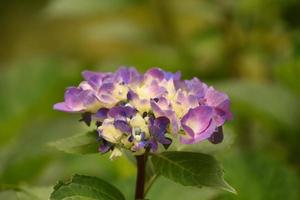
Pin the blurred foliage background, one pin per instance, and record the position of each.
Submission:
(247, 48)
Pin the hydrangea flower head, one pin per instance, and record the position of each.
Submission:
(140, 112)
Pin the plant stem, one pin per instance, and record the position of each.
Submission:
(141, 174)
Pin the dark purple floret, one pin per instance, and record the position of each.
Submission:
(131, 95)
(158, 128)
(122, 126)
(167, 145)
(217, 137)
(143, 136)
(101, 114)
(118, 112)
(153, 145)
(86, 118)
(130, 139)
(104, 146)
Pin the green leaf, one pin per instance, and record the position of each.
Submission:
(151, 176)
(191, 169)
(78, 144)
(24, 192)
(164, 189)
(85, 188)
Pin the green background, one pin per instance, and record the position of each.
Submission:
(247, 48)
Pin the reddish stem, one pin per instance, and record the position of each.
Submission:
(141, 173)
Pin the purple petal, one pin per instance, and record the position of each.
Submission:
(107, 88)
(158, 105)
(162, 108)
(76, 100)
(105, 146)
(122, 126)
(175, 76)
(187, 140)
(211, 127)
(74, 97)
(131, 95)
(175, 123)
(88, 98)
(155, 90)
(198, 124)
(186, 101)
(219, 101)
(153, 145)
(87, 75)
(128, 75)
(160, 124)
(155, 73)
(107, 99)
(63, 107)
(139, 103)
(215, 98)
(196, 87)
(101, 114)
(122, 112)
(105, 95)
(158, 128)
(95, 79)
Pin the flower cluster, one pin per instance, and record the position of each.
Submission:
(140, 111)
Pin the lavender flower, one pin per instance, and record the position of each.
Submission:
(139, 112)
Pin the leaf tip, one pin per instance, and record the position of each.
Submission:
(229, 188)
